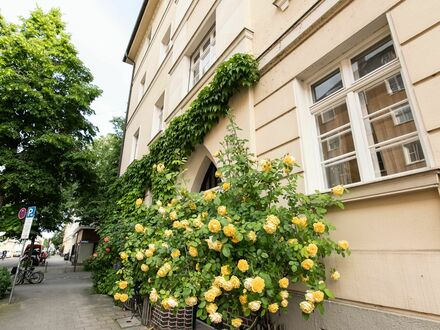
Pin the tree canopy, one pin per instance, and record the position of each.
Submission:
(45, 96)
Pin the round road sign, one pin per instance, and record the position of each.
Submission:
(22, 213)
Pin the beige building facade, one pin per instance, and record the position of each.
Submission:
(347, 87)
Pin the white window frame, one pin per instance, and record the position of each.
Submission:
(157, 123)
(394, 114)
(407, 153)
(209, 52)
(307, 111)
(134, 145)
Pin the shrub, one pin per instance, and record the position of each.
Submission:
(233, 250)
(5, 281)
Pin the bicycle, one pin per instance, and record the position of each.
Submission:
(28, 274)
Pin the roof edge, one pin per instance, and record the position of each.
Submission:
(133, 33)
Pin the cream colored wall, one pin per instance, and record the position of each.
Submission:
(395, 258)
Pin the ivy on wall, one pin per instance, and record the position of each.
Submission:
(188, 130)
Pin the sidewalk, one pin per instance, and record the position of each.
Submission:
(63, 301)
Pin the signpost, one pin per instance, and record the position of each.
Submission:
(30, 214)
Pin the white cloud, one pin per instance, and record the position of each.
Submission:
(100, 30)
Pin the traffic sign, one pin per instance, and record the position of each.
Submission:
(31, 211)
(22, 213)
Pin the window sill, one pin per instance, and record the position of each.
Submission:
(155, 137)
(427, 178)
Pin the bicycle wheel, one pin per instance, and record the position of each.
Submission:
(20, 278)
(36, 277)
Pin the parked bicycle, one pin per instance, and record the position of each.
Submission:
(28, 274)
(135, 304)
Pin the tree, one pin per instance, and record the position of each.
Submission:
(92, 206)
(45, 96)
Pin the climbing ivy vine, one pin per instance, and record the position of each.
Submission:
(188, 130)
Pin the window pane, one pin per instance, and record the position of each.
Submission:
(327, 86)
(387, 115)
(399, 158)
(373, 58)
(332, 118)
(337, 145)
(342, 173)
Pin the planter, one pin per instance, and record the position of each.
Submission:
(154, 316)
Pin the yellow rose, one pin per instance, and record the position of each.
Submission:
(283, 283)
(123, 255)
(226, 186)
(211, 308)
(289, 160)
(273, 219)
(307, 264)
(254, 305)
(216, 291)
(306, 307)
(265, 165)
(204, 214)
(318, 227)
(236, 323)
(160, 167)
(214, 226)
(273, 308)
(229, 230)
(284, 294)
(318, 296)
(292, 241)
(139, 256)
(152, 247)
(235, 282)
(193, 251)
(192, 205)
(165, 304)
(252, 236)
(218, 174)
(257, 285)
(301, 222)
(226, 270)
(335, 275)
(221, 210)
(149, 253)
(284, 303)
(235, 240)
(191, 301)
(270, 228)
(209, 195)
(338, 190)
(123, 297)
(312, 249)
(144, 267)
(243, 265)
(117, 296)
(168, 233)
(243, 299)
(173, 215)
(210, 296)
(227, 286)
(343, 245)
(154, 296)
(175, 253)
(139, 202)
(139, 228)
(197, 222)
(177, 224)
(184, 223)
(215, 317)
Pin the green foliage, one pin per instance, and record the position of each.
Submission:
(190, 248)
(45, 94)
(5, 281)
(189, 129)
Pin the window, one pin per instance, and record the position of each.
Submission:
(413, 152)
(166, 42)
(203, 57)
(142, 88)
(157, 123)
(210, 180)
(134, 146)
(367, 130)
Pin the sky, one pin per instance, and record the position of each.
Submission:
(100, 30)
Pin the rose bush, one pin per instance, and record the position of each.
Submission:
(233, 250)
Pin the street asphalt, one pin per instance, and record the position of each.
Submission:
(64, 300)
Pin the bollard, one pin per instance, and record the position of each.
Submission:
(45, 266)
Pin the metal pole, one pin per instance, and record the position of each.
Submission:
(76, 251)
(18, 270)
